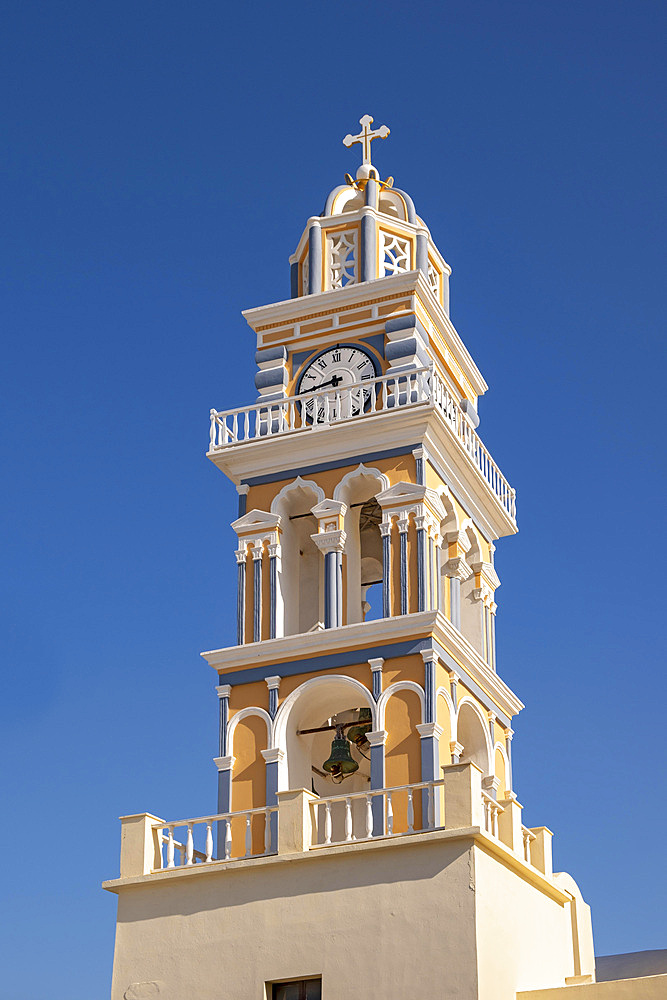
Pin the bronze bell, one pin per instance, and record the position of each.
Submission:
(341, 762)
(357, 734)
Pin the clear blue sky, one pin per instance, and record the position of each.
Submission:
(160, 162)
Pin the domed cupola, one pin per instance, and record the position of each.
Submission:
(368, 230)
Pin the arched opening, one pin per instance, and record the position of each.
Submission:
(363, 543)
(248, 782)
(403, 757)
(300, 580)
(471, 733)
(370, 544)
(317, 704)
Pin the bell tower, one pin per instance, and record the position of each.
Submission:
(367, 834)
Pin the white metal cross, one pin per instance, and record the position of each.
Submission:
(366, 136)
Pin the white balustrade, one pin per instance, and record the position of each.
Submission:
(318, 409)
(177, 854)
(528, 838)
(492, 811)
(337, 821)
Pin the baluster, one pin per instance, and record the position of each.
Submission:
(411, 813)
(235, 427)
(267, 831)
(228, 839)
(495, 820)
(248, 834)
(212, 432)
(430, 811)
(209, 842)
(327, 409)
(327, 822)
(338, 407)
(170, 847)
(189, 846)
(369, 817)
(390, 815)
(348, 820)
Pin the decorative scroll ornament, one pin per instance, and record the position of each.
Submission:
(366, 136)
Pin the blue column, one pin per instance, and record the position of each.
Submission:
(453, 689)
(385, 530)
(376, 669)
(429, 734)
(371, 193)
(273, 757)
(421, 568)
(224, 691)
(314, 256)
(242, 491)
(329, 589)
(377, 740)
(273, 584)
(294, 279)
(339, 589)
(368, 249)
(431, 571)
(257, 593)
(429, 657)
(240, 596)
(403, 534)
(420, 470)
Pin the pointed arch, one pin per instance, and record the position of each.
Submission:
(361, 471)
(296, 484)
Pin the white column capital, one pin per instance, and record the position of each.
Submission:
(273, 755)
(224, 763)
(420, 522)
(257, 552)
(454, 678)
(385, 528)
(273, 683)
(426, 729)
(224, 690)
(458, 568)
(376, 663)
(403, 523)
(428, 655)
(243, 489)
(509, 733)
(491, 783)
(456, 748)
(330, 541)
(377, 739)
(491, 716)
(274, 549)
(240, 555)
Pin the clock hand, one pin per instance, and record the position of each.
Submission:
(332, 381)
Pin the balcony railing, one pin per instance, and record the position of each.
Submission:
(301, 822)
(309, 411)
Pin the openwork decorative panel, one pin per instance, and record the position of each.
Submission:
(394, 254)
(434, 280)
(342, 254)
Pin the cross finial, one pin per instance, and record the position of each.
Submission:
(366, 136)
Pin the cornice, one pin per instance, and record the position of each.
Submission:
(331, 640)
(323, 304)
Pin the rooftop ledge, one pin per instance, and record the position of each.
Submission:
(452, 647)
(476, 834)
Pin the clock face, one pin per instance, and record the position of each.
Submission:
(336, 379)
